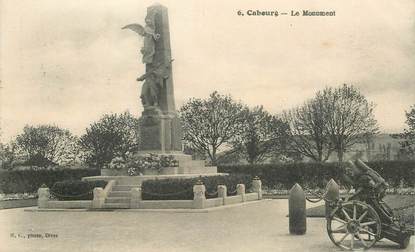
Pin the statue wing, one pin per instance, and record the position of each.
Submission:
(137, 28)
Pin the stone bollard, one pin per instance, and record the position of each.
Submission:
(332, 194)
(297, 211)
(43, 197)
(257, 186)
(99, 198)
(199, 197)
(135, 197)
(222, 193)
(400, 190)
(240, 190)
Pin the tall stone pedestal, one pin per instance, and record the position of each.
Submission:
(159, 132)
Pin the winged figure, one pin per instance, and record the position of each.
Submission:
(142, 31)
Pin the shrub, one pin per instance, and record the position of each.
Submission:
(75, 189)
(21, 181)
(182, 189)
(316, 175)
(395, 172)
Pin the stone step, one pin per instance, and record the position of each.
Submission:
(126, 188)
(116, 205)
(198, 163)
(117, 200)
(192, 163)
(119, 194)
(131, 180)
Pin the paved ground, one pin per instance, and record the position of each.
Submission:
(253, 227)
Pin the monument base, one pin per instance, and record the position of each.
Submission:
(186, 165)
(137, 180)
(160, 132)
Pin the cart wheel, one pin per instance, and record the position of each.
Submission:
(354, 225)
(403, 244)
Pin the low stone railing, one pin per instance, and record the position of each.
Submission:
(44, 201)
(136, 202)
(100, 194)
(199, 198)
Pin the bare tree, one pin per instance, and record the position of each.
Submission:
(308, 135)
(263, 135)
(349, 117)
(211, 123)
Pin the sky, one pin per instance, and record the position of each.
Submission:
(68, 62)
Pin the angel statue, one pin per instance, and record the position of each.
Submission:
(150, 36)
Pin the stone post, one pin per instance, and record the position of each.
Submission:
(99, 198)
(257, 186)
(199, 198)
(332, 194)
(43, 197)
(222, 193)
(400, 189)
(135, 197)
(297, 211)
(240, 190)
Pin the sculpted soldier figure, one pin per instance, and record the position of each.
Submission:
(153, 82)
(150, 90)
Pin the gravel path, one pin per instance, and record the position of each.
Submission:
(261, 226)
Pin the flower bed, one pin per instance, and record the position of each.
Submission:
(17, 196)
(139, 164)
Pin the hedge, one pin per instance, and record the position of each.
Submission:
(316, 175)
(182, 189)
(21, 181)
(75, 189)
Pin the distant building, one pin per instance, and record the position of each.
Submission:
(380, 147)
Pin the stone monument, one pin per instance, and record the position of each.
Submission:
(160, 130)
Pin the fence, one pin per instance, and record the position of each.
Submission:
(136, 202)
